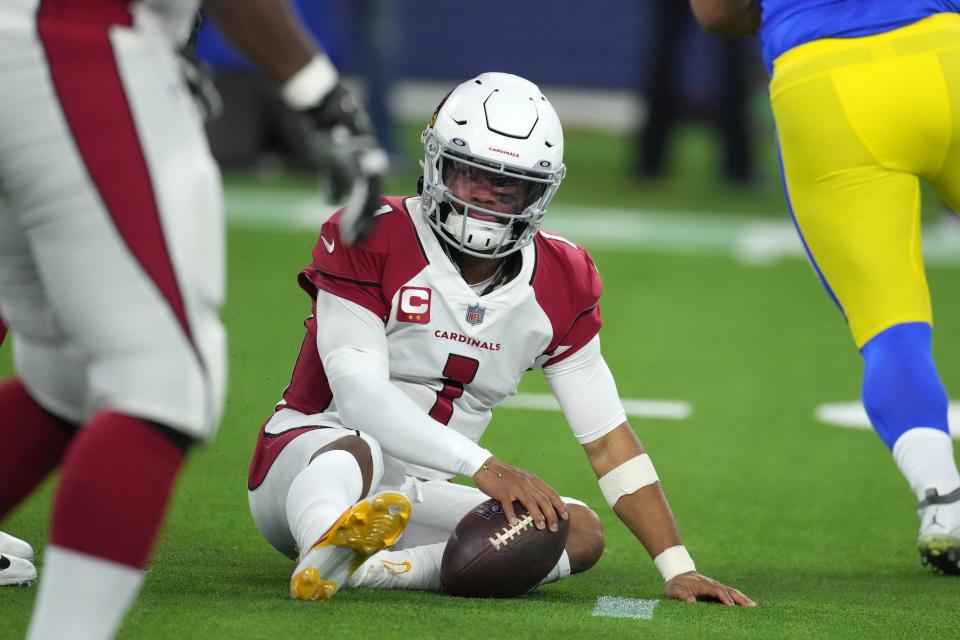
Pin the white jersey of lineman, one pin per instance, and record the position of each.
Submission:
(457, 354)
(172, 19)
(111, 217)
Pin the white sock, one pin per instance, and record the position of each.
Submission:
(925, 458)
(414, 568)
(560, 571)
(82, 597)
(319, 494)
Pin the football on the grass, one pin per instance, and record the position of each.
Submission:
(486, 557)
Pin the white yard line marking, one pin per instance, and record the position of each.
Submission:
(851, 415)
(749, 240)
(665, 409)
(701, 232)
(614, 607)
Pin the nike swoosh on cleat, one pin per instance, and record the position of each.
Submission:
(329, 244)
(397, 568)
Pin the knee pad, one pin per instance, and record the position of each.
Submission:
(901, 387)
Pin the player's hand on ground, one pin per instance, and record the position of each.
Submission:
(693, 587)
(507, 483)
(347, 152)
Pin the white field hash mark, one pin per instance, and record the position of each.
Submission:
(663, 409)
(851, 415)
(615, 607)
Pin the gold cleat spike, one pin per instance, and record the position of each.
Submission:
(367, 527)
(307, 585)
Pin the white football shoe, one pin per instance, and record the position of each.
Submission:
(939, 540)
(16, 572)
(15, 547)
(362, 530)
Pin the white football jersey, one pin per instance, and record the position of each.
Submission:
(172, 19)
(457, 354)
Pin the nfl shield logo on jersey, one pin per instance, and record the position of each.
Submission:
(475, 314)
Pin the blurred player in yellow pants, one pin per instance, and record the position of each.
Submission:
(866, 97)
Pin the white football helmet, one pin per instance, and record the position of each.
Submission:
(493, 160)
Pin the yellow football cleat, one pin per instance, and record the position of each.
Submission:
(364, 529)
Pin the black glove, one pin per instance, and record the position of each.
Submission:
(346, 150)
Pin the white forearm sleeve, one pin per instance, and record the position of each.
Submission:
(354, 350)
(584, 387)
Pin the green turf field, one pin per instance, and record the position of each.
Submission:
(812, 521)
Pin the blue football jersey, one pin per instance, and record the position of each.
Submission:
(789, 23)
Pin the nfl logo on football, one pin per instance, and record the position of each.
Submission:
(475, 314)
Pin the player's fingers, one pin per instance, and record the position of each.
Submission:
(720, 593)
(677, 591)
(559, 506)
(704, 590)
(548, 510)
(356, 218)
(532, 506)
(555, 500)
(740, 598)
(709, 590)
(370, 205)
(509, 512)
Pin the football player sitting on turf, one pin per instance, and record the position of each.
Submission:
(416, 335)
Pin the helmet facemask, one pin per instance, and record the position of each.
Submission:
(482, 207)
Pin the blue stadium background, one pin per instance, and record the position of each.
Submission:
(563, 42)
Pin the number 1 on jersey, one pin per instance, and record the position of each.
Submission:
(458, 371)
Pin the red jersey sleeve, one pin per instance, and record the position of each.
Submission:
(366, 273)
(567, 287)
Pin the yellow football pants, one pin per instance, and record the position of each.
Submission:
(860, 120)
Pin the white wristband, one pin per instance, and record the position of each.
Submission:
(625, 479)
(307, 87)
(673, 561)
